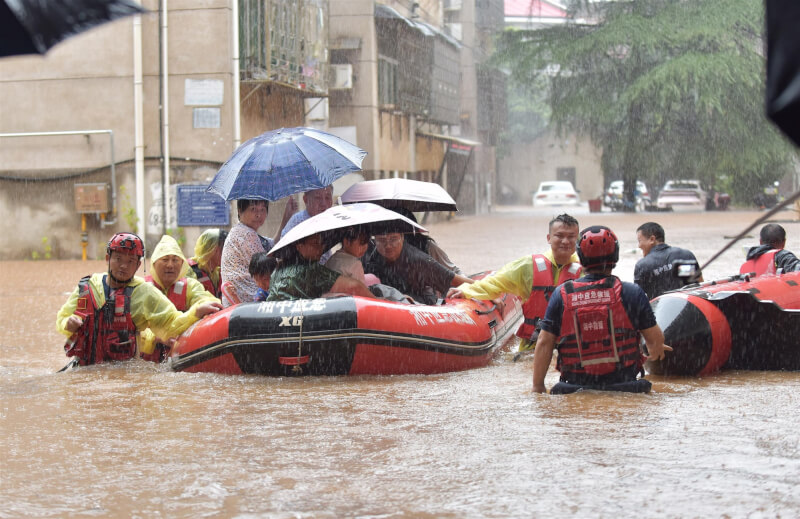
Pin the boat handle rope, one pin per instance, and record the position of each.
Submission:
(296, 368)
(492, 309)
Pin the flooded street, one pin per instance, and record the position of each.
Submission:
(137, 440)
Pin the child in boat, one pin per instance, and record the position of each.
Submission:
(261, 268)
(347, 260)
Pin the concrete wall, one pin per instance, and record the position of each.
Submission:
(531, 163)
(87, 83)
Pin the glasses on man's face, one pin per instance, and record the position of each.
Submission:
(389, 239)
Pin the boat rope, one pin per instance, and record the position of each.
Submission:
(296, 369)
(774, 210)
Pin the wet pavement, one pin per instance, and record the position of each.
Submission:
(139, 440)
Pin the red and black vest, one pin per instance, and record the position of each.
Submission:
(108, 332)
(764, 264)
(597, 337)
(176, 293)
(204, 278)
(533, 309)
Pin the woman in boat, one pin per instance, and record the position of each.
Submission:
(242, 242)
(301, 276)
(597, 321)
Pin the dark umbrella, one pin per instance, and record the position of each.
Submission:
(34, 26)
(283, 162)
(413, 195)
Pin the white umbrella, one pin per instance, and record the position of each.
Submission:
(332, 223)
(413, 195)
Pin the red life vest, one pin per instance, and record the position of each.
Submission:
(204, 278)
(597, 337)
(176, 293)
(533, 309)
(764, 264)
(108, 332)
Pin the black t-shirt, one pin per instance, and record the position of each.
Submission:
(413, 273)
(654, 272)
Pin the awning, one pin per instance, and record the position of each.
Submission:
(384, 11)
(449, 138)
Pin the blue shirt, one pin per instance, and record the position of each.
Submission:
(634, 300)
(261, 294)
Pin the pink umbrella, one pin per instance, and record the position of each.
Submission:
(332, 223)
(413, 195)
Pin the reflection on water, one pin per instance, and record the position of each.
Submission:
(138, 440)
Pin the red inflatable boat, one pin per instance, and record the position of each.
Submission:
(347, 336)
(737, 323)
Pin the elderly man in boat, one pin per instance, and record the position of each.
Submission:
(410, 270)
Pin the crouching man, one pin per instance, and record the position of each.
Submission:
(104, 313)
(596, 323)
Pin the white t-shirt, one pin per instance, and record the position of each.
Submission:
(347, 265)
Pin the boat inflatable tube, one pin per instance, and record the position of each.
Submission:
(738, 323)
(347, 336)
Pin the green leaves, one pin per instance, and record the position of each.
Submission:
(667, 88)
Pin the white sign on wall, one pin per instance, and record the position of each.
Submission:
(203, 92)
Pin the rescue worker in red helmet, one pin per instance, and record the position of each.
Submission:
(104, 314)
(596, 323)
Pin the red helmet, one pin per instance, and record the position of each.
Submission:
(126, 242)
(598, 247)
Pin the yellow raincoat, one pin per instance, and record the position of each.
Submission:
(515, 278)
(196, 293)
(204, 248)
(149, 308)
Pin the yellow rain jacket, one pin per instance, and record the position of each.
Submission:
(149, 309)
(203, 249)
(196, 293)
(515, 278)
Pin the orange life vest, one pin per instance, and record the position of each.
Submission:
(597, 337)
(764, 264)
(108, 332)
(176, 293)
(533, 309)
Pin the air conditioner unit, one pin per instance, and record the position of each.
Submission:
(341, 76)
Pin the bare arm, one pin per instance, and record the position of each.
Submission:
(654, 338)
(459, 279)
(542, 356)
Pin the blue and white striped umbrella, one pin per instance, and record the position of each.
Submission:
(283, 162)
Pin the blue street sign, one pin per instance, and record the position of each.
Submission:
(201, 209)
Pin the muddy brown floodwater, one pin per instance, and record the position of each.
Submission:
(137, 440)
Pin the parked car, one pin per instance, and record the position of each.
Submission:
(555, 192)
(613, 196)
(682, 195)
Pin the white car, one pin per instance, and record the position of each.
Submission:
(682, 195)
(555, 192)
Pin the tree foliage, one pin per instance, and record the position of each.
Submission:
(666, 88)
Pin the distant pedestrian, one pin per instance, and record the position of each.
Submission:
(655, 272)
(770, 256)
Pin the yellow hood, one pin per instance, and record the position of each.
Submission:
(168, 247)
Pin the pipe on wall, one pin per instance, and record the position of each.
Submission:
(138, 122)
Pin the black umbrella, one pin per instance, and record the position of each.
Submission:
(34, 26)
(783, 66)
